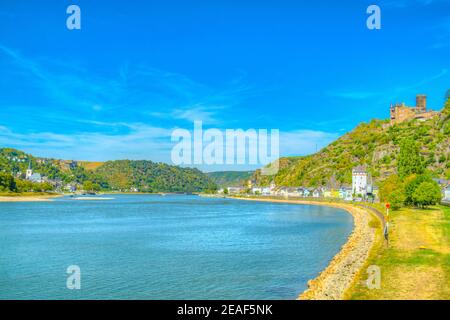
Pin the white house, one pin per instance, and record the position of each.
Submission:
(447, 193)
(326, 193)
(306, 193)
(359, 181)
(257, 190)
(70, 188)
(316, 193)
(346, 194)
(235, 190)
(266, 191)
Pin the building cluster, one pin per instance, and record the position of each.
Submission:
(400, 112)
(361, 189)
(36, 177)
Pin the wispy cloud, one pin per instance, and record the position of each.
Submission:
(140, 142)
(105, 116)
(206, 114)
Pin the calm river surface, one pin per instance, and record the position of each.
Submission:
(165, 247)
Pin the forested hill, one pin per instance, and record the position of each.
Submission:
(123, 175)
(230, 178)
(377, 146)
(154, 177)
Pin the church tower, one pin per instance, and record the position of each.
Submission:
(29, 171)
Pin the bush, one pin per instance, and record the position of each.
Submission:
(427, 193)
(392, 190)
(411, 184)
(7, 182)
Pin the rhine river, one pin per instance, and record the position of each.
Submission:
(166, 247)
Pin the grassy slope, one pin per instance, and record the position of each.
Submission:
(90, 165)
(416, 265)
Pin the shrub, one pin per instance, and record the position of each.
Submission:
(427, 193)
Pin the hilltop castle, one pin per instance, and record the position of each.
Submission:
(400, 112)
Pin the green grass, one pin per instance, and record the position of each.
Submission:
(416, 264)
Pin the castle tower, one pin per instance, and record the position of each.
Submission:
(29, 171)
(421, 103)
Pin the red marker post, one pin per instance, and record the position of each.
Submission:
(386, 228)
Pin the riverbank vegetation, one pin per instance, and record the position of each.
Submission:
(413, 185)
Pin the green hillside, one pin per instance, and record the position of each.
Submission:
(120, 175)
(375, 145)
(230, 178)
(153, 177)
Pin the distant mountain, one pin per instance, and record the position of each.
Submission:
(375, 145)
(120, 175)
(230, 178)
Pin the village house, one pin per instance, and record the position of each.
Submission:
(235, 190)
(447, 193)
(317, 193)
(327, 193)
(306, 192)
(266, 191)
(346, 193)
(256, 190)
(70, 188)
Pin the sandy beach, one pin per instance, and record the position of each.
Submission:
(332, 283)
(42, 198)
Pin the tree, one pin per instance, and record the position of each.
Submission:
(396, 199)
(411, 184)
(7, 182)
(427, 193)
(88, 186)
(409, 160)
(45, 187)
(392, 190)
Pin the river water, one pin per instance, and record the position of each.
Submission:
(165, 247)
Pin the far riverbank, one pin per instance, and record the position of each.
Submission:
(28, 197)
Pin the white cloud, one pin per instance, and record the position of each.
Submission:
(141, 142)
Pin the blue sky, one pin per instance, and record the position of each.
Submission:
(138, 69)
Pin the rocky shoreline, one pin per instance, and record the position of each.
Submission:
(332, 283)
